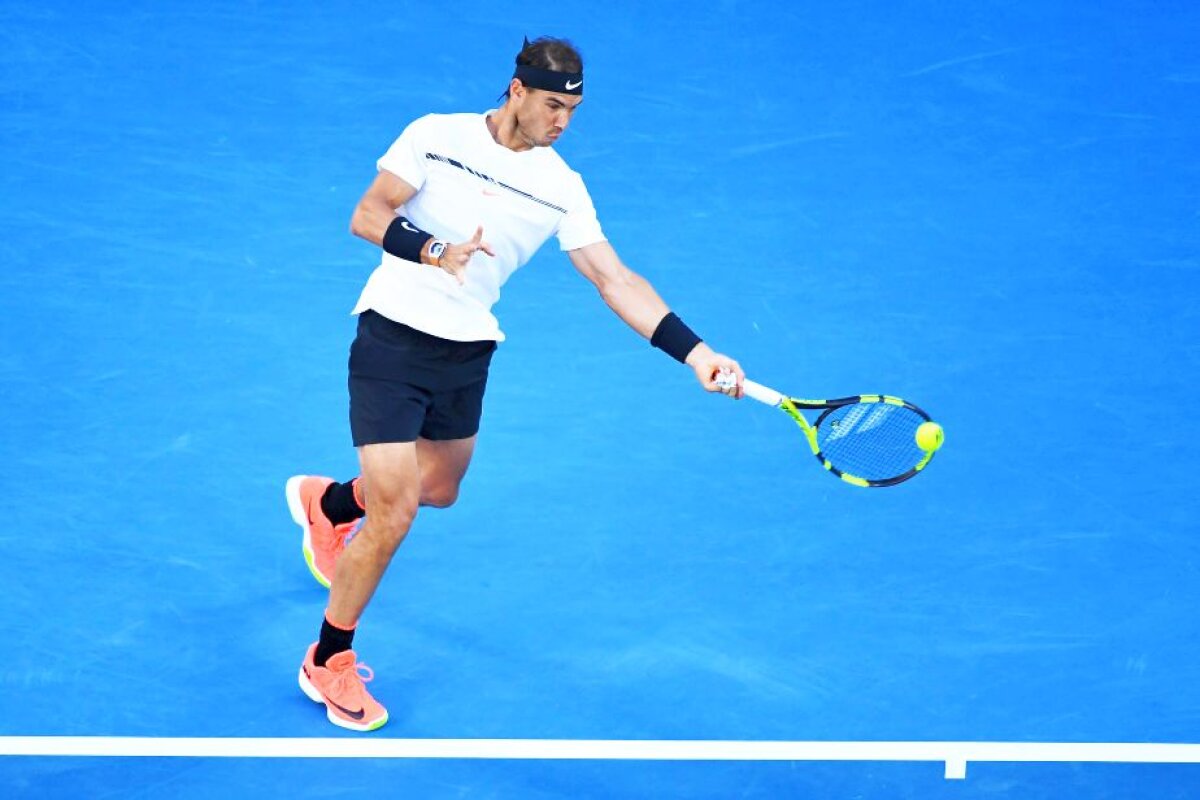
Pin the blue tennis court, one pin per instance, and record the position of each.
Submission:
(990, 209)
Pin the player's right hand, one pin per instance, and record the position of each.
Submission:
(709, 365)
(456, 256)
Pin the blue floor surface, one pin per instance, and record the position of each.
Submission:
(992, 210)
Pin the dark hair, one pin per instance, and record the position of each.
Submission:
(547, 52)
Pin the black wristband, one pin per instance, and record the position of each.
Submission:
(674, 338)
(405, 240)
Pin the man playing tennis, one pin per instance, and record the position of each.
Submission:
(459, 203)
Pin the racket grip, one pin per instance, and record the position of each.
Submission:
(762, 394)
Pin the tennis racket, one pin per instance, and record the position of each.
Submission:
(866, 440)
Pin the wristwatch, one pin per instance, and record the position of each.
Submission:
(436, 248)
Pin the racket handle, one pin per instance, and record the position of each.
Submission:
(727, 380)
(762, 394)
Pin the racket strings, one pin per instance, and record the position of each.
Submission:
(873, 441)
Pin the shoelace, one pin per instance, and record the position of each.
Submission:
(352, 680)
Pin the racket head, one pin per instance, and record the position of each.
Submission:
(867, 440)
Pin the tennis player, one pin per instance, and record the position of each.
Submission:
(460, 202)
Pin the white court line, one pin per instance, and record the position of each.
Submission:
(955, 755)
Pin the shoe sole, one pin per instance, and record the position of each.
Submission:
(300, 517)
(314, 694)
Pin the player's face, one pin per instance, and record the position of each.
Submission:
(543, 116)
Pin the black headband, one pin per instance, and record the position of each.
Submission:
(550, 81)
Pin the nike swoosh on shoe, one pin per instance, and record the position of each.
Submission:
(354, 715)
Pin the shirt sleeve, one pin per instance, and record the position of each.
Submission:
(406, 157)
(579, 227)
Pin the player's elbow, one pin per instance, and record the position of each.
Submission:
(615, 285)
(358, 222)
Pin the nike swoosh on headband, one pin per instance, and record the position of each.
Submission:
(574, 86)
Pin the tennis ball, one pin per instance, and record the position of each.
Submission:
(930, 436)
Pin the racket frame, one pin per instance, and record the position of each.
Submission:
(792, 406)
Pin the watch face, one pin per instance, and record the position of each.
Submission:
(436, 249)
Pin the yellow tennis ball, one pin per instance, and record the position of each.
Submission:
(930, 436)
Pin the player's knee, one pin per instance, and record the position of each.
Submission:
(399, 518)
(392, 517)
(441, 496)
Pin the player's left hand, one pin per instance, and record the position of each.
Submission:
(708, 365)
(455, 258)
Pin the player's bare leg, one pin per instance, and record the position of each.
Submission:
(330, 673)
(443, 466)
(396, 479)
(391, 474)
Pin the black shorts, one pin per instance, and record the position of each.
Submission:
(406, 384)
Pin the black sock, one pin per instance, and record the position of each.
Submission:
(339, 503)
(333, 640)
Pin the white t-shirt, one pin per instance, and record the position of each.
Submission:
(464, 179)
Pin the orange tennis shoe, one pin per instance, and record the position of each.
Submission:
(323, 541)
(342, 688)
